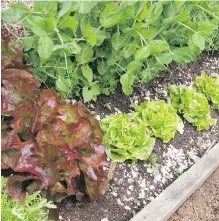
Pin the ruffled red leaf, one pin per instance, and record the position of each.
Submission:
(47, 113)
(19, 87)
(10, 140)
(10, 158)
(96, 188)
(23, 121)
(58, 144)
(12, 52)
(17, 190)
(39, 163)
(69, 113)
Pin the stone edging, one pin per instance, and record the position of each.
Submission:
(161, 208)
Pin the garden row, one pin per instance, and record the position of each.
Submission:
(88, 48)
(129, 136)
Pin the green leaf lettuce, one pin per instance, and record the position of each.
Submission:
(125, 139)
(209, 87)
(194, 106)
(160, 118)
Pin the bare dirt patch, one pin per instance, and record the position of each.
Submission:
(203, 204)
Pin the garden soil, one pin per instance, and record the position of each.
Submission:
(135, 185)
(203, 204)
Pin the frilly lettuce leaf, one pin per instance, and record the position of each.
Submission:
(193, 105)
(209, 87)
(160, 118)
(125, 139)
(50, 145)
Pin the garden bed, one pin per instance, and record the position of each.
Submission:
(135, 185)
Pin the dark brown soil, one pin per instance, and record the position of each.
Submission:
(135, 185)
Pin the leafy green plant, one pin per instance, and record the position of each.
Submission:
(160, 118)
(209, 86)
(126, 139)
(193, 105)
(34, 208)
(52, 146)
(89, 47)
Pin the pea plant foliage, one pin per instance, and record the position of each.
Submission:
(50, 145)
(88, 48)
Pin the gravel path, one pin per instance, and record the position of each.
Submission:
(203, 205)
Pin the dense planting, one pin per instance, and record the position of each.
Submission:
(209, 87)
(160, 118)
(126, 139)
(89, 47)
(51, 145)
(34, 208)
(193, 105)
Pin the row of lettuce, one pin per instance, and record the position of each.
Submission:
(87, 48)
(132, 136)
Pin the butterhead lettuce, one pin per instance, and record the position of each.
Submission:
(209, 86)
(126, 139)
(193, 105)
(160, 118)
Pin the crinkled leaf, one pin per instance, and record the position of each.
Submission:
(194, 106)
(125, 139)
(69, 113)
(10, 157)
(160, 118)
(15, 187)
(15, 91)
(209, 86)
(12, 52)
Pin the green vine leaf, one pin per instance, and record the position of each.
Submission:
(45, 48)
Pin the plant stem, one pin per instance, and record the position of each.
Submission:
(51, 76)
(186, 26)
(120, 66)
(208, 11)
(141, 36)
(60, 38)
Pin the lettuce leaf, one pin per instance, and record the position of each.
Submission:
(35, 207)
(193, 105)
(160, 118)
(126, 139)
(209, 87)
(50, 145)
